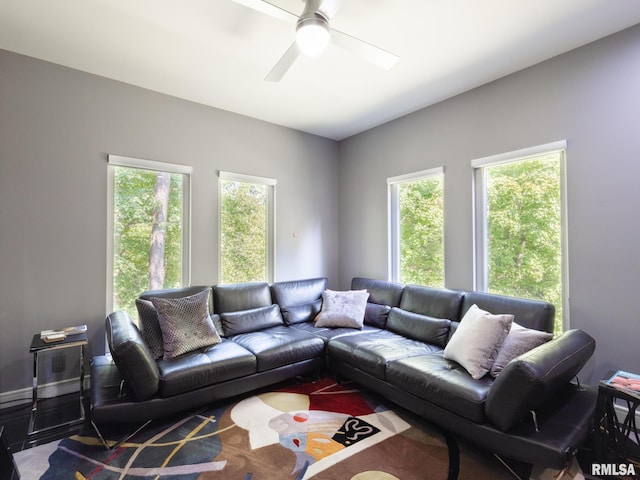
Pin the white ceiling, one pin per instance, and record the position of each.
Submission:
(217, 52)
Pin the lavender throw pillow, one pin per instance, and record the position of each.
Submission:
(342, 309)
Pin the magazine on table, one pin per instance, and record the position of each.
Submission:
(625, 381)
(59, 334)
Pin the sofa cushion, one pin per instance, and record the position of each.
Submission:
(477, 340)
(294, 314)
(280, 345)
(371, 351)
(376, 315)
(327, 333)
(441, 382)
(419, 327)
(251, 320)
(185, 323)
(149, 326)
(132, 356)
(342, 309)
(520, 340)
(207, 366)
(383, 295)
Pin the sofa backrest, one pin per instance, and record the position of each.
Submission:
(383, 296)
(528, 313)
(235, 297)
(299, 300)
(298, 292)
(245, 307)
(432, 302)
(380, 291)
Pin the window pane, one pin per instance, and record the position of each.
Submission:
(148, 214)
(243, 231)
(524, 230)
(421, 241)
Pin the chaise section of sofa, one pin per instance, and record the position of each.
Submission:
(532, 411)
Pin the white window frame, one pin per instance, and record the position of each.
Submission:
(271, 217)
(393, 215)
(481, 273)
(130, 162)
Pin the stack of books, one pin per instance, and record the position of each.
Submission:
(57, 335)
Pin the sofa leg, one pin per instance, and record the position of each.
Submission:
(508, 467)
(111, 446)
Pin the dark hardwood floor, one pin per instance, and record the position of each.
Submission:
(15, 421)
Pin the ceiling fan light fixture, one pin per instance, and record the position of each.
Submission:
(312, 35)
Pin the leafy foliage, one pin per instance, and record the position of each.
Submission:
(243, 231)
(524, 230)
(422, 232)
(134, 205)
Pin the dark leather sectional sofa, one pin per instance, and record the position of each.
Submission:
(532, 412)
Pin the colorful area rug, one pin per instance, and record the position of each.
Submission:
(319, 430)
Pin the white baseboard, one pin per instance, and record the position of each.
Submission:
(49, 390)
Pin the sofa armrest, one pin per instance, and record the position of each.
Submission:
(132, 356)
(531, 379)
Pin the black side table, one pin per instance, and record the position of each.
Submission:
(38, 345)
(616, 440)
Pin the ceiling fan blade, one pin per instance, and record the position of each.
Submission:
(270, 9)
(367, 51)
(330, 7)
(283, 65)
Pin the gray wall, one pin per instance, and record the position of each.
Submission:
(57, 126)
(591, 98)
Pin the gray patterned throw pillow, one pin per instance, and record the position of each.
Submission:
(185, 323)
(149, 325)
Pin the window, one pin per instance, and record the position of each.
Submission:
(520, 219)
(416, 228)
(247, 218)
(148, 245)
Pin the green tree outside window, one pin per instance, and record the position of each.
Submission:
(421, 238)
(524, 230)
(243, 231)
(148, 212)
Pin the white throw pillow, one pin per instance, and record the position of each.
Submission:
(342, 309)
(476, 342)
(520, 340)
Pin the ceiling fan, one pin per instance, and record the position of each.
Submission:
(313, 34)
